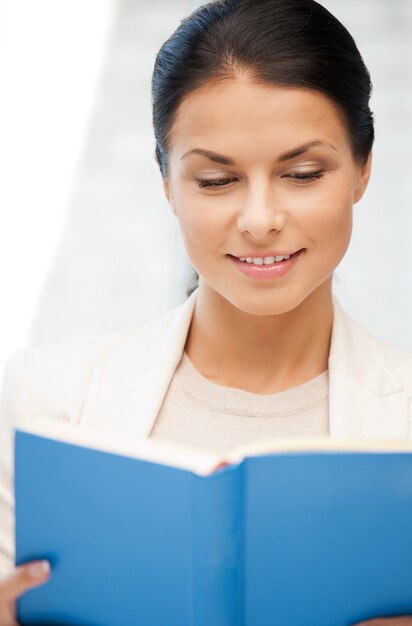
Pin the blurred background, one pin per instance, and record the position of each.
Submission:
(88, 243)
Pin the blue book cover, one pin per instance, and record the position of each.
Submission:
(284, 537)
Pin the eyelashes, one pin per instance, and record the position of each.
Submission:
(217, 182)
(309, 176)
(223, 182)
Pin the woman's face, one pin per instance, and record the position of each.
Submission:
(255, 201)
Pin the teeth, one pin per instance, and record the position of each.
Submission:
(267, 260)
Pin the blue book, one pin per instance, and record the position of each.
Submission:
(148, 533)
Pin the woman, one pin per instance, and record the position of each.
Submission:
(264, 141)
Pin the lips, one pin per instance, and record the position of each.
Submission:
(256, 255)
(269, 271)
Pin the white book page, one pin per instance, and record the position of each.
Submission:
(196, 460)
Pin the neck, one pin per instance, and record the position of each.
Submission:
(260, 353)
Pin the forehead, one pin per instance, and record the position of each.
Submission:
(239, 112)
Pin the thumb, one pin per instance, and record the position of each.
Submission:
(23, 578)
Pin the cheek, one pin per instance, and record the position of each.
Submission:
(329, 221)
(203, 222)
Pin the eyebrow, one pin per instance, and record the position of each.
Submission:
(286, 156)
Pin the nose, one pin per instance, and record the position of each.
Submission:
(260, 212)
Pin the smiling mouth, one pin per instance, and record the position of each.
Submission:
(266, 260)
(264, 268)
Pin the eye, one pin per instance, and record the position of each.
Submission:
(215, 182)
(306, 177)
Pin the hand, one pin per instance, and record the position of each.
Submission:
(21, 579)
(406, 620)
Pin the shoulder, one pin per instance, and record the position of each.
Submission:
(53, 379)
(40, 378)
(400, 358)
(365, 356)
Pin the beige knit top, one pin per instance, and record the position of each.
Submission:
(200, 413)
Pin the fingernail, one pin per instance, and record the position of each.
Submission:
(39, 569)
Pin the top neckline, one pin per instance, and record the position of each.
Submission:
(241, 402)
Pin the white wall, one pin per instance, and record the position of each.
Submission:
(51, 55)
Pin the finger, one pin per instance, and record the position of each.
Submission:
(24, 578)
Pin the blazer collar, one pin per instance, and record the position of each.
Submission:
(127, 391)
(366, 397)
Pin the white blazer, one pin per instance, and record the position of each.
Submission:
(117, 382)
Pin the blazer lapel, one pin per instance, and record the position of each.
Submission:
(366, 397)
(126, 393)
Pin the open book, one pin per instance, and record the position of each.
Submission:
(297, 532)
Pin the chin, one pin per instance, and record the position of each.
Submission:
(268, 305)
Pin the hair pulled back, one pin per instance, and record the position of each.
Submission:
(295, 43)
